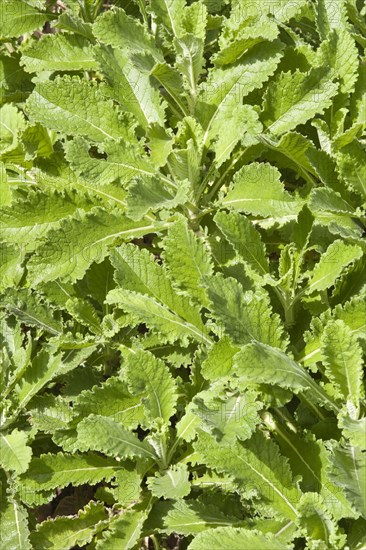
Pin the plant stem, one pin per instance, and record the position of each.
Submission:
(155, 542)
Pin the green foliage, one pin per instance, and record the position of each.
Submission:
(182, 295)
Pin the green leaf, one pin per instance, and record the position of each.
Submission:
(260, 363)
(238, 539)
(11, 124)
(351, 164)
(239, 35)
(146, 194)
(337, 256)
(353, 313)
(31, 309)
(348, 471)
(68, 531)
(99, 433)
(246, 240)
(15, 454)
(59, 470)
(342, 357)
(256, 464)
(343, 49)
(257, 189)
(125, 530)
(58, 52)
(127, 80)
(219, 361)
(309, 460)
(126, 409)
(244, 316)
(189, 517)
(172, 484)
(242, 125)
(170, 12)
(151, 296)
(317, 524)
(28, 221)
(77, 107)
(121, 31)
(295, 98)
(229, 417)
(69, 251)
(225, 86)
(43, 369)
(149, 376)
(187, 259)
(10, 269)
(158, 316)
(18, 18)
(14, 532)
(71, 22)
(123, 162)
(171, 80)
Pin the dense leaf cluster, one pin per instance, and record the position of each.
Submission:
(183, 299)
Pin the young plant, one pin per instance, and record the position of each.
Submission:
(183, 279)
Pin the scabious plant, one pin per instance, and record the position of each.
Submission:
(183, 188)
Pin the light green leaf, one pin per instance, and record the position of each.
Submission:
(69, 21)
(152, 294)
(28, 221)
(69, 251)
(18, 18)
(247, 242)
(77, 107)
(11, 124)
(257, 189)
(171, 13)
(124, 32)
(260, 363)
(15, 454)
(348, 471)
(237, 81)
(257, 465)
(125, 530)
(158, 316)
(219, 361)
(122, 163)
(353, 313)
(31, 309)
(10, 268)
(343, 50)
(127, 80)
(189, 517)
(146, 194)
(99, 433)
(45, 366)
(331, 265)
(235, 539)
(228, 417)
(239, 35)
(351, 161)
(342, 357)
(58, 52)
(245, 316)
(172, 484)
(14, 532)
(59, 470)
(112, 399)
(69, 531)
(149, 376)
(294, 98)
(187, 260)
(317, 524)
